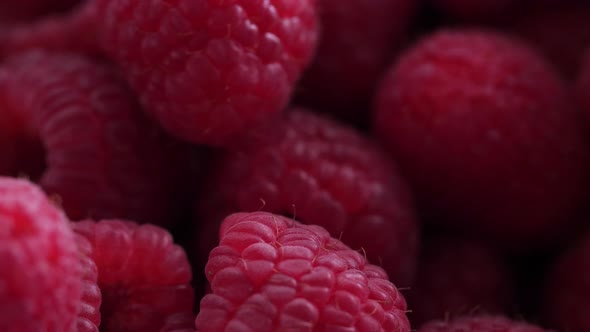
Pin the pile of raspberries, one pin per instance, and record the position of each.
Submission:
(294, 166)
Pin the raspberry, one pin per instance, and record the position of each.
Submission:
(322, 173)
(270, 273)
(39, 266)
(89, 310)
(485, 132)
(567, 293)
(209, 70)
(458, 276)
(94, 135)
(480, 324)
(357, 39)
(560, 34)
(143, 276)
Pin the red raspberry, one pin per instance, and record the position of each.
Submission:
(89, 310)
(143, 276)
(321, 173)
(561, 34)
(39, 265)
(357, 40)
(270, 273)
(475, 10)
(567, 292)
(208, 69)
(480, 324)
(104, 159)
(583, 85)
(457, 277)
(486, 134)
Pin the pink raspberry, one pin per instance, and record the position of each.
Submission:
(480, 324)
(566, 300)
(74, 124)
(39, 263)
(271, 273)
(89, 309)
(561, 34)
(356, 43)
(209, 70)
(322, 173)
(457, 276)
(143, 276)
(487, 135)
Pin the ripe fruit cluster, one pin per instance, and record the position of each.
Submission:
(294, 165)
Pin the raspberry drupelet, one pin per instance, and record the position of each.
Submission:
(89, 309)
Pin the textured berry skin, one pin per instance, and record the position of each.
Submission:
(39, 265)
(456, 277)
(270, 273)
(209, 70)
(560, 34)
(89, 309)
(567, 291)
(356, 43)
(143, 276)
(321, 173)
(474, 10)
(94, 135)
(480, 324)
(485, 132)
